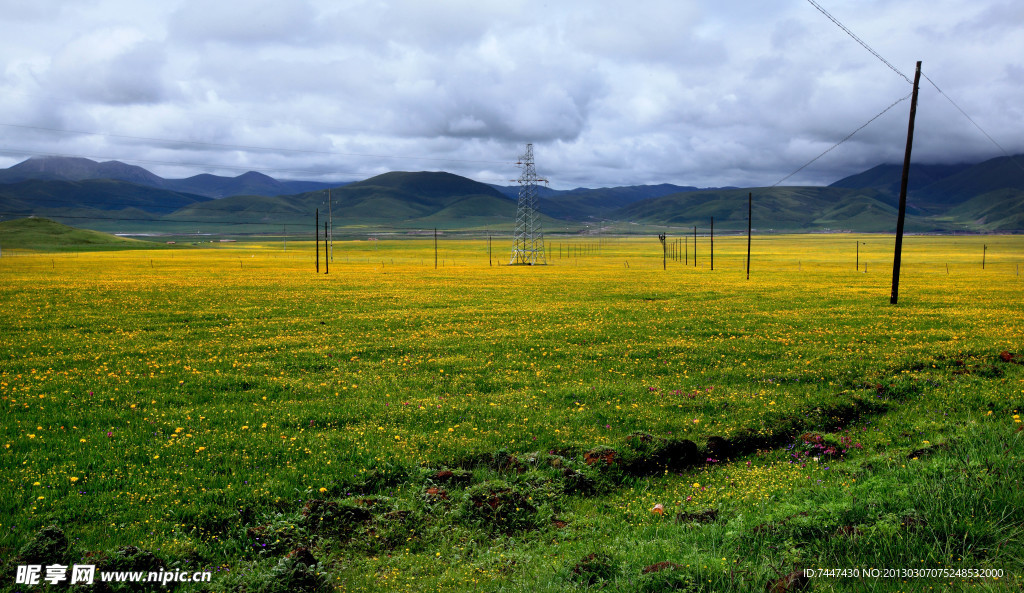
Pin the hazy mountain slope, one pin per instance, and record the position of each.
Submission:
(76, 169)
(983, 178)
(99, 194)
(886, 178)
(212, 186)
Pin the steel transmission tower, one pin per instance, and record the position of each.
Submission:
(528, 248)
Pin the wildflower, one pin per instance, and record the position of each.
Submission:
(74, 479)
(322, 489)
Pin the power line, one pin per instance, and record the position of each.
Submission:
(859, 40)
(850, 135)
(970, 119)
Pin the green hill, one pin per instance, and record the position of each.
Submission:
(1000, 210)
(778, 208)
(416, 200)
(249, 208)
(984, 178)
(413, 198)
(939, 190)
(886, 178)
(41, 234)
(55, 197)
(947, 198)
(582, 203)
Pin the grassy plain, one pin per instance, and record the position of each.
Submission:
(496, 428)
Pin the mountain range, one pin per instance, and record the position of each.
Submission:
(210, 186)
(986, 196)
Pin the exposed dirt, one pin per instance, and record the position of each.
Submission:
(705, 516)
(794, 581)
(660, 566)
(603, 455)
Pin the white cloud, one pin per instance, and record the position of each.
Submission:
(690, 92)
(115, 65)
(247, 22)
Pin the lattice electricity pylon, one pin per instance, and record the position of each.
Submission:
(528, 247)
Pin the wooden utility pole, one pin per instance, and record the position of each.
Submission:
(327, 256)
(695, 246)
(712, 242)
(435, 248)
(750, 213)
(984, 250)
(316, 229)
(894, 296)
(330, 217)
(661, 238)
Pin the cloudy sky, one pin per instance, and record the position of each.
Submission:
(692, 92)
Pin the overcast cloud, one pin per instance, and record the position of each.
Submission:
(692, 92)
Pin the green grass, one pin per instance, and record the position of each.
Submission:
(44, 235)
(478, 428)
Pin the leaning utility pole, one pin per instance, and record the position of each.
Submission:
(894, 296)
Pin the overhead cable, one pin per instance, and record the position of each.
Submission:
(859, 40)
(850, 135)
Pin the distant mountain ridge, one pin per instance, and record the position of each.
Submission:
(51, 197)
(423, 198)
(54, 168)
(987, 196)
(936, 188)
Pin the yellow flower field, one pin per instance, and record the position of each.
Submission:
(172, 399)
